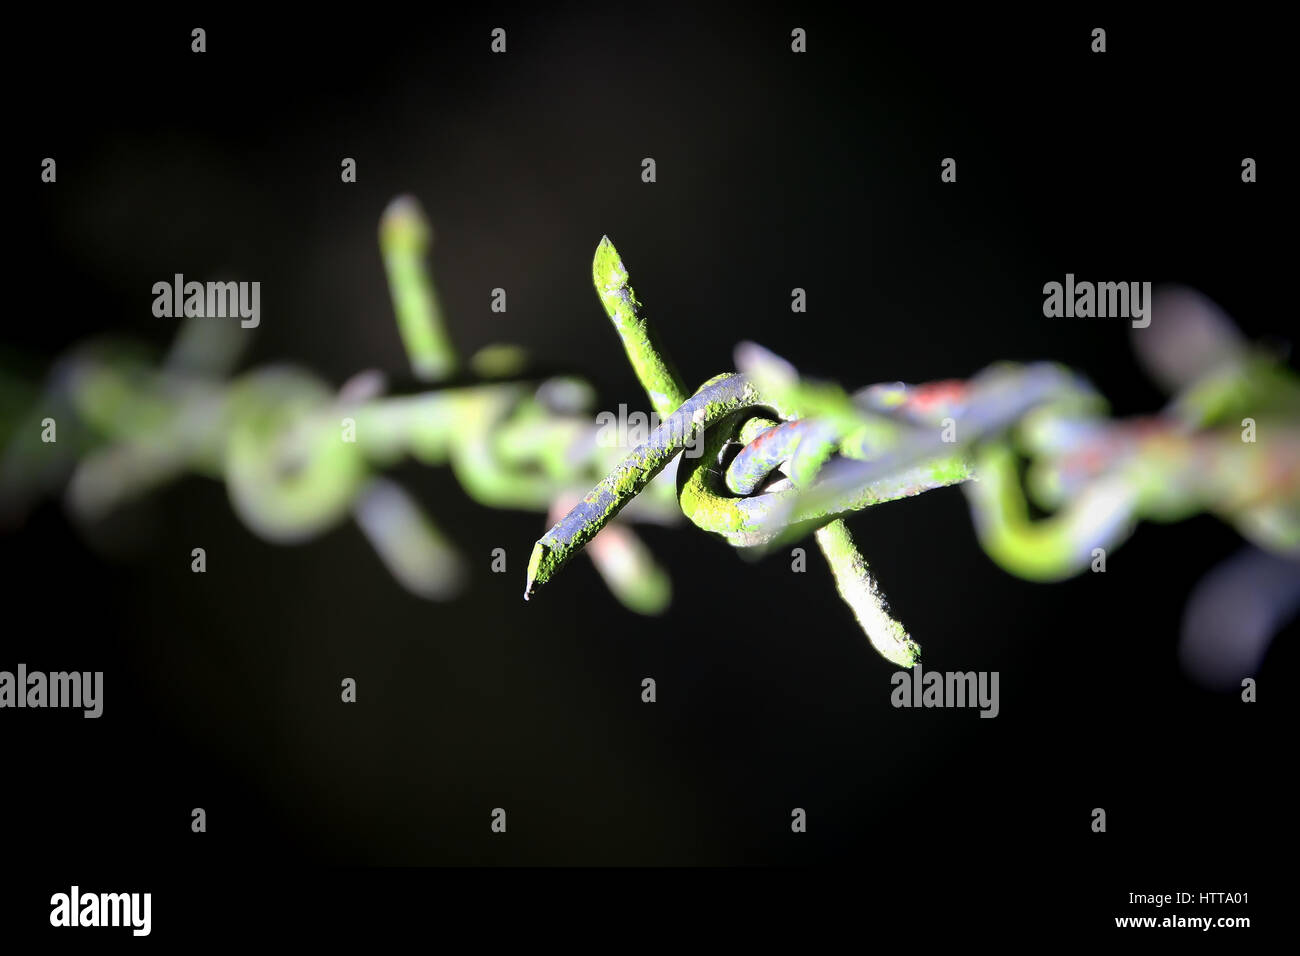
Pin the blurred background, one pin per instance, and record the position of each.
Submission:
(774, 171)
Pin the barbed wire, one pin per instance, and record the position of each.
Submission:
(298, 457)
(760, 458)
(832, 453)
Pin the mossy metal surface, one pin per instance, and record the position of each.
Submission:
(714, 401)
(763, 412)
(861, 592)
(653, 369)
(763, 456)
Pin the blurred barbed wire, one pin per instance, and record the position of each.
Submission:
(297, 457)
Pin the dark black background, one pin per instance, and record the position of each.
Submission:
(774, 171)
